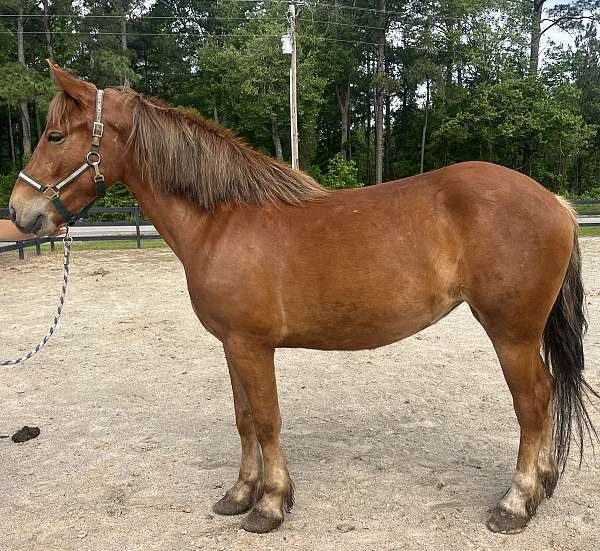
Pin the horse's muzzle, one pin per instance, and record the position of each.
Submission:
(32, 219)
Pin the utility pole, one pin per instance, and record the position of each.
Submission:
(293, 100)
(380, 93)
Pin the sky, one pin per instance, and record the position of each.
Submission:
(555, 34)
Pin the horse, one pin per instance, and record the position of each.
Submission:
(273, 260)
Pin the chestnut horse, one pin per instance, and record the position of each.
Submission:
(274, 260)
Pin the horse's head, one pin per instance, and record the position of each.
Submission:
(80, 153)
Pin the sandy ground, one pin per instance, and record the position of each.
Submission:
(404, 447)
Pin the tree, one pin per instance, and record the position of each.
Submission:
(23, 105)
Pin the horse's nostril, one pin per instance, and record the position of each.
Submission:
(13, 214)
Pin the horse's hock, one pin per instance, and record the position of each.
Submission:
(410, 444)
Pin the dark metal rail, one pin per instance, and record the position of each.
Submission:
(138, 222)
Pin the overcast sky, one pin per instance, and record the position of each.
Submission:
(555, 34)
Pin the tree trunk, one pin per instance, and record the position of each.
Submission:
(276, 140)
(536, 35)
(48, 34)
(368, 126)
(216, 114)
(10, 135)
(25, 124)
(343, 98)
(124, 44)
(379, 94)
(424, 134)
(38, 125)
(459, 70)
(388, 137)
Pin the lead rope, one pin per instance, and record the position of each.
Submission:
(67, 241)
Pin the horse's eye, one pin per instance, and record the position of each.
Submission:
(55, 137)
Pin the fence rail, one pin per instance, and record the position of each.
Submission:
(137, 221)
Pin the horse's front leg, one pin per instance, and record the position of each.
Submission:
(248, 488)
(254, 368)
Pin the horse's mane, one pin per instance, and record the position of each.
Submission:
(182, 153)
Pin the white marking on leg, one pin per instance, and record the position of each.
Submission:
(525, 487)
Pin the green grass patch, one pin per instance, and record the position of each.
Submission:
(107, 245)
(592, 230)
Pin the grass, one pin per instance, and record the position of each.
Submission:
(593, 230)
(109, 245)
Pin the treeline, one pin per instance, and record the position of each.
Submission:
(386, 88)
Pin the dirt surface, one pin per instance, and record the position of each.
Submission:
(404, 447)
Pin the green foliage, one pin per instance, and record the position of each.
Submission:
(592, 193)
(7, 181)
(117, 196)
(516, 122)
(18, 83)
(340, 174)
(223, 58)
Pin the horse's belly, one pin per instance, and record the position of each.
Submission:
(350, 326)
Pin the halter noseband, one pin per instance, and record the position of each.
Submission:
(92, 160)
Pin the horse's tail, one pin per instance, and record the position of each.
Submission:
(563, 354)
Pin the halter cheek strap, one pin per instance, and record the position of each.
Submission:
(92, 160)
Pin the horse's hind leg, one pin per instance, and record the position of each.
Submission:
(248, 488)
(547, 469)
(531, 387)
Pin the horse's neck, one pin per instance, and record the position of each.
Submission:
(178, 221)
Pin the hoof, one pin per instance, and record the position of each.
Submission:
(503, 522)
(258, 523)
(228, 506)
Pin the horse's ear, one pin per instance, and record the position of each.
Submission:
(76, 88)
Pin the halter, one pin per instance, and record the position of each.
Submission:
(92, 160)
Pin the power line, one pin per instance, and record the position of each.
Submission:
(433, 51)
(112, 16)
(200, 18)
(301, 4)
(310, 4)
(444, 17)
(196, 35)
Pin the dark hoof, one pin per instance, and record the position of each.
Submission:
(228, 506)
(258, 523)
(503, 522)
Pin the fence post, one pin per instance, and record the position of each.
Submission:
(21, 250)
(38, 248)
(137, 226)
(52, 245)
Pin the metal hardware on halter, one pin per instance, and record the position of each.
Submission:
(53, 192)
(97, 161)
(98, 129)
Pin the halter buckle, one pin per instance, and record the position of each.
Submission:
(98, 129)
(51, 193)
